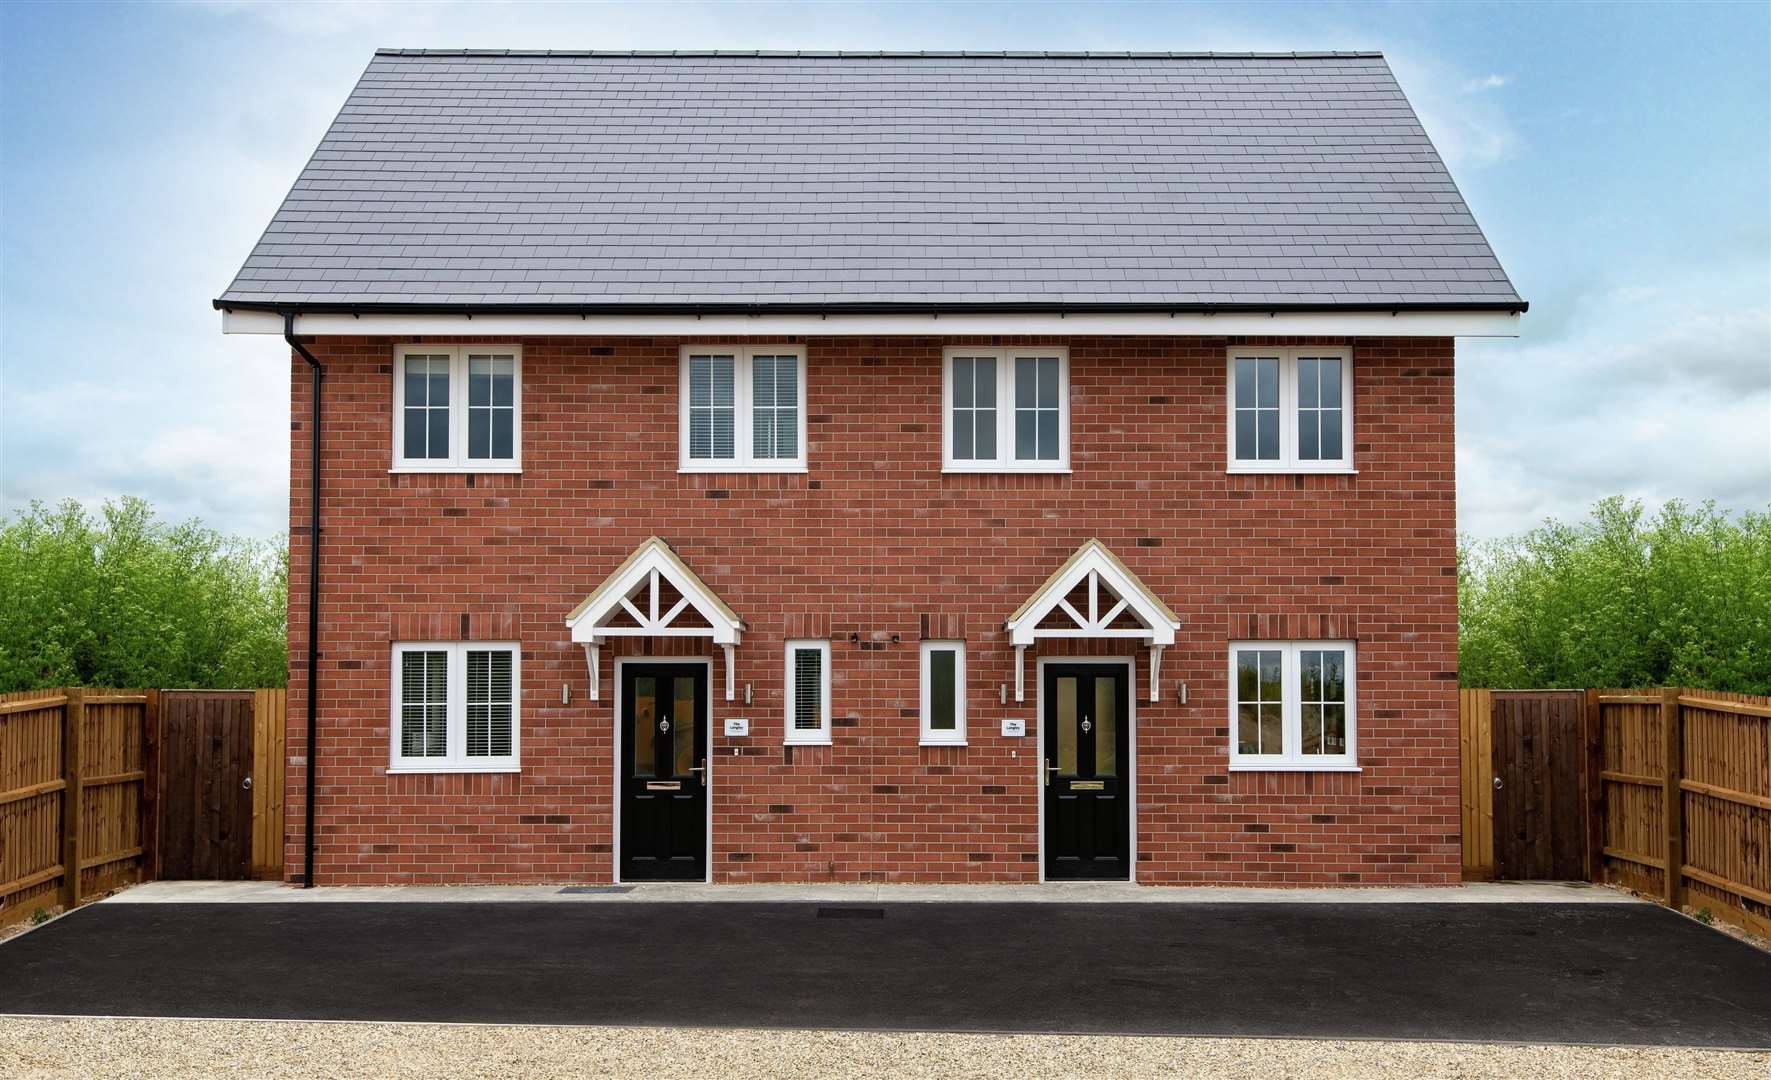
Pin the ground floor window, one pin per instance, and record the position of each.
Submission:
(808, 692)
(1292, 705)
(943, 693)
(455, 706)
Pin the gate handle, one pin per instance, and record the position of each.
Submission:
(247, 783)
(1497, 783)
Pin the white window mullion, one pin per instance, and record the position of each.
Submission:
(1291, 711)
(457, 749)
(1005, 408)
(744, 404)
(1288, 417)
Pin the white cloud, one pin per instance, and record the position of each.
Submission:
(1486, 82)
(1651, 400)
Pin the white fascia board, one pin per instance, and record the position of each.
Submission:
(1226, 324)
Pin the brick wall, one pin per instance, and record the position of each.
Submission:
(866, 545)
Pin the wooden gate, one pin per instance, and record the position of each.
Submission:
(1539, 776)
(206, 784)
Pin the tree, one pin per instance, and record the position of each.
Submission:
(125, 600)
(1621, 600)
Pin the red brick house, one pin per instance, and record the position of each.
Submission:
(827, 467)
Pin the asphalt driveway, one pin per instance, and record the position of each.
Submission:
(1628, 974)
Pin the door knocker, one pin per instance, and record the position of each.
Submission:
(1086, 727)
(664, 725)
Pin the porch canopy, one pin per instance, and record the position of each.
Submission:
(1093, 595)
(654, 594)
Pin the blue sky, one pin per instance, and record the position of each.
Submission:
(1618, 156)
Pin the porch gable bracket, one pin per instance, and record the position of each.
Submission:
(631, 602)
(1112, 591)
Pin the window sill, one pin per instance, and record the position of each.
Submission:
(1291, 470)
(445, 770)
(1292, 766)
(1005, 470)
(729, 468)
(806, 742)
(457, 470)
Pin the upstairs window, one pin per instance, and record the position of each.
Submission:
(808, 692)
(743, 409)
(943, 693)
(1292, 705)
(457, 408)
(1290, 410)
(1006, 410)
(455, 707)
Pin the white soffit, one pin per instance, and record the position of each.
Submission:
(1181, 324)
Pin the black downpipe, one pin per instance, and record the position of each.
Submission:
(313, 593)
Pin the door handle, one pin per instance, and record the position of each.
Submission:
(247, 783)
(699, 769)
(1497, 783)
(1049, 769)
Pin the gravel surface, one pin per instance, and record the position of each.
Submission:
(200, 1048)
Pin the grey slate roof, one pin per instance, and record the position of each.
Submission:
(1003, 179)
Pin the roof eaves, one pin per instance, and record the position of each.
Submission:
(776, 54)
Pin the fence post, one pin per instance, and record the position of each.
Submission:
(73, 727)
(1593, 743)
(1673, 808)
(150, 787)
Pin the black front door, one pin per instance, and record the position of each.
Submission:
(1087, 772)
(663, 772)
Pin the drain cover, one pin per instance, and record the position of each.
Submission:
(851, 913)
(580, 890)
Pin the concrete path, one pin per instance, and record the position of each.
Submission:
(272, 892)
(1611, 973)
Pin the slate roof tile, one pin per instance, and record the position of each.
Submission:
(635, 178)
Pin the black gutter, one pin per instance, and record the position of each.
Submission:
(1036, 308)
(313, 591)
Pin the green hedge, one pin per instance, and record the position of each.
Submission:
(122, 599)
(1621, 600)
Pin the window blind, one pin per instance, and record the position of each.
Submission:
(424, 708)
(489, 704)
(808, 690)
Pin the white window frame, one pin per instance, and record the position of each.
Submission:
(1005, 461)
(1291, 759)
(743, 412)
(457, 461)
(1288, 461)
(455, 728)
(792, 736)
(930, 736)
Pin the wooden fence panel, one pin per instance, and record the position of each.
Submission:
(31, 785)
(1725, 788)
(1633, 771)
(80, 787)
(268, 720)
(1476, 745)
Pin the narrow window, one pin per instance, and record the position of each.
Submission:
(1290, 410)
(1006, 411)
(775, 407)
(490, 706)
(943, 693)
(808, 692)
(455, 707)
(424, 704)
(491, 407)
(1257, 408)
(1036, 408)
(1292, 705)
(974, 408)
(427, 407)
(457, 409)
(712, 408)
(743, 409)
